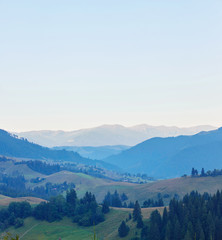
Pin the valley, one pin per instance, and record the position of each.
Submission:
(37, 174)
(111, 120)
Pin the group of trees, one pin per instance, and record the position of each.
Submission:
(152, 203)
(50, 189)
(214, 173)
(12, 186)
(195, 217)
(41, 167)
(84, 211)
(136, 178)
(115, 200)
(124, 229)
(14, 214)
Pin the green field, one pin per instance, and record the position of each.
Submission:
(3, 197)
(66, 230)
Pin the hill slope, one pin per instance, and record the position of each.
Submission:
(173, 156)
(167, 188)
(5, 201)
(67, 230)
(108, 135)
(12, 146)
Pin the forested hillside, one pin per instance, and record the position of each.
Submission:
(174, 156)
(12, 146)
(195, 217)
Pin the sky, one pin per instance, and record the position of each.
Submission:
(77, 64)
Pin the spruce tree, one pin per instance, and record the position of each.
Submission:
(123, 229)
(130, 216)
(105, 207)
(154, 232)
(137, 211)
(202, 172)
(71, 197)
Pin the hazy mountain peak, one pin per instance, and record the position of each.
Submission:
(108, 135)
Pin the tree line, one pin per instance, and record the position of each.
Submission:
(152, 203)
(117, 200)
(209, 173)
(84, 211)
(14, 215)
(41, 167)
(195, 217)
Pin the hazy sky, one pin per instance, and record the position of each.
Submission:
(75, 64)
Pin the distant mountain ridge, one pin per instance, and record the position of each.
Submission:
(11, 146)
(108, 135)
(97, 153)
(172, 156)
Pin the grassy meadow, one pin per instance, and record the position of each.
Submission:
(66, 230)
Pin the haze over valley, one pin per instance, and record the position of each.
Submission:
(111, 120)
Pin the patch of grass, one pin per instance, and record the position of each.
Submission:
(84, 176)
(3, 197)
(32, 200)
(66, 230)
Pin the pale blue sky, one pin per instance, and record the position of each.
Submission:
(76, 64)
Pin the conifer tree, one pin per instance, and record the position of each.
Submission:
(137, 211)
(202, 172)
(123, 229)
(105, 207)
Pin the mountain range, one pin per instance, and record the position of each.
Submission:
(108, 135)
(157, 157)
(172, 156)
(12, 146)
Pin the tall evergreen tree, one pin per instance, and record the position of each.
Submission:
(202, 172)
(105, 207)
(71, 197)
(137, 211)
(123, 229)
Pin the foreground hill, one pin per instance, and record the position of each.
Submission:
(108, 135)
(12, 146)
(173, 156)
(66, 230)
